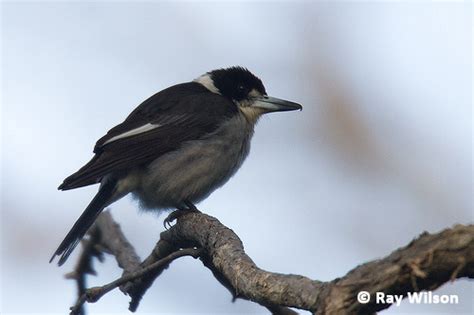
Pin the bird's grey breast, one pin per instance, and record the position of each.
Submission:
(197, 168)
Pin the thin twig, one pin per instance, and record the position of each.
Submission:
(92, 295)
(84, 264)
(137, 288)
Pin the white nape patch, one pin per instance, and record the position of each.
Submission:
(208, 83)
(133, 132)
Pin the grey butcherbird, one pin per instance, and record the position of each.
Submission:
(176, 148)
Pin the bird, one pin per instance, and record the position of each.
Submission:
(175, 148)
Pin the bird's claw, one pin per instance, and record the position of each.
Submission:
(170, 218)
(178, 213)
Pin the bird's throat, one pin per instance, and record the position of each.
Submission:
(251, 114)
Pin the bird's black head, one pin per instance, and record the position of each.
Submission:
(237, 83)
(244, 89)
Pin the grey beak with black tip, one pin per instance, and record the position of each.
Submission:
(273, 104)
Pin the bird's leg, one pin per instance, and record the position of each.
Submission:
(190, 207)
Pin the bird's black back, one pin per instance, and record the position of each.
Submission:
(184, 112)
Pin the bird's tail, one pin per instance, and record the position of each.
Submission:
(87, 218)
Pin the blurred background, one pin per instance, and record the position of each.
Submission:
(380, 153)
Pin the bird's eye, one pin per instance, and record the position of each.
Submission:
(241, 88)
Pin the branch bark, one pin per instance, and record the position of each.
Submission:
(426, 263)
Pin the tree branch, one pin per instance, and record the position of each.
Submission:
(95, 293)
(426, 263)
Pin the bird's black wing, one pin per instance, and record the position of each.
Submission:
(180, 113)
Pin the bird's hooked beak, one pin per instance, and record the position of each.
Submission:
(273, 104)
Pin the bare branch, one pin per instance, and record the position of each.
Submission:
(137, 288)
(424, 264)
(84, 264)
(114, 242)
(92, 295)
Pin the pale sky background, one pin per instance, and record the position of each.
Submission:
(381, 152)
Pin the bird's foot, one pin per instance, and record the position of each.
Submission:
(178, 213)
